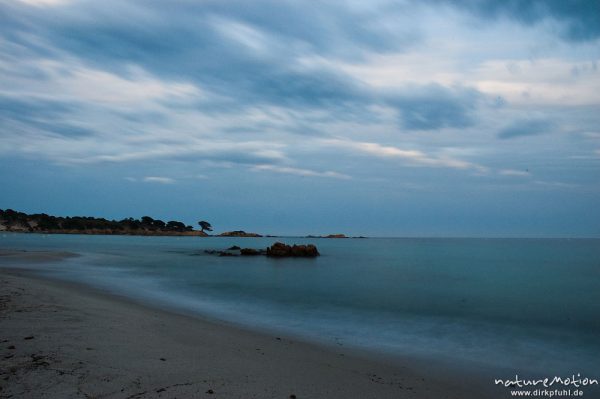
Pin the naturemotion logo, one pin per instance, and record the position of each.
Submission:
(569, 386)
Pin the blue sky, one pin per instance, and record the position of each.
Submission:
(385, 118)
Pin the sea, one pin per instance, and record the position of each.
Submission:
(528, 305)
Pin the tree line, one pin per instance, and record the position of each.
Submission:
(14, 220)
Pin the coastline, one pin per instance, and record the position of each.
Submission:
(147, 233)
(87, 342)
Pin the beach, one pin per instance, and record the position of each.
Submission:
(62, 340)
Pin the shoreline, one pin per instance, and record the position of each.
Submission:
(90, 342)
(194, 233)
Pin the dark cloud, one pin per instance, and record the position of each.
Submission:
(435, 106)
(198, 42)
(18, 109)
(41, 115)
(239, 157)
(192, 43)
(525, 127)
(211, 44)
(580, 19)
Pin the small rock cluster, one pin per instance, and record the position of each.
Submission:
(281, 250)
(277, 250)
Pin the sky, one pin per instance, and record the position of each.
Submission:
(380, 118)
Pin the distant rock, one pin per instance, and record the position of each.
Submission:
(238, 233)
(234, 248)
(281, 250)
(219, 253)
(251, 252)
(328, 236)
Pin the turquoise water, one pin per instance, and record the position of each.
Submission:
(528, 305)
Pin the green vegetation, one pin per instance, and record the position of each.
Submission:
(205, 225)
(11, 220)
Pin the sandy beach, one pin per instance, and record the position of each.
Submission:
(60, 340)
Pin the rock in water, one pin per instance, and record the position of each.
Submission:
(281, 250)
(249, 252)
(278, 250)
(238, 233)
(309, 251)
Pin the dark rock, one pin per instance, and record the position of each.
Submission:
(234, 248)
(281, 250)
(11, 347)
(249, 252)
(210, 392)
(304, 250)
(29, 337)
(277, 250)
(238, 233)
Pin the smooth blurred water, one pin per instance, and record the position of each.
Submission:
(524, 304)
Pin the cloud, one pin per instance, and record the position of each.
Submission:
(411, 157)
(193, 149)
(543, 82)
(159, 179)
(229, 48)
(71, 81)
(20, 115)
(513, 172)
(579, 20)
(222, 83)
(45, 3)
(554, 184)
(238, 56)
(525, 127)
(299, 172)
(165, 180)
(70, 113)
(434, 106)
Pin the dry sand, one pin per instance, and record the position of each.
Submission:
(59, 340)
